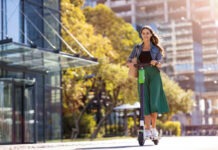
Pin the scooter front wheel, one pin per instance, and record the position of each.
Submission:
(141, 139)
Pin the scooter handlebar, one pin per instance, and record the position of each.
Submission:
(139, 65)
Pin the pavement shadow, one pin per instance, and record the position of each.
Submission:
(112, 147)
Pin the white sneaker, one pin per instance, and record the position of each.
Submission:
(154, 133)
(147, 134)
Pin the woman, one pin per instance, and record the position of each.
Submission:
(155, 100)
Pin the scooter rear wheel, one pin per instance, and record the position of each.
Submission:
(156, 142)
(141, 139)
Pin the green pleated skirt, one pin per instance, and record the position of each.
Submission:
(154, 96)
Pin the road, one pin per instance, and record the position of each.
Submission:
(166, 143)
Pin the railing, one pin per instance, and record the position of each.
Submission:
(118, 3)
(205, 8)
(207, 79)
(208, 26)
(184, 47)
(124, 14)
(183, 24)
(167, 42)
(209, 41)
(149, 2)
(188, 40)
(184, 55)
(164, 26)
(177, 10)
(201, 129)
(165, 34)
(144, 14)
(214, 48)
(210, 56)
(183, 32)
(170, 49)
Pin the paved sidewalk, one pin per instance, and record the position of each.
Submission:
(49, 145)
(166, 143)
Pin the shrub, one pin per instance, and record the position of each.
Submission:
(173, 127)
(87, 125)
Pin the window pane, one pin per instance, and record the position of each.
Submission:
(1, 20)
(5, 112)
(50, 32)
(53, 106)
(54, 4)
(12, 19)
(13, 74)
(29, 112)
(33, 22)
(39, 103)
(18, 113)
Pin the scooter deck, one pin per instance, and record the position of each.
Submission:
(151, 138)
(158, 138)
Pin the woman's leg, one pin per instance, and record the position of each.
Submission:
(154, 131)
(153, 119)
(147, 122)
(147, 131)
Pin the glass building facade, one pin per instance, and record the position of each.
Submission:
(91, 3)
(30, 76)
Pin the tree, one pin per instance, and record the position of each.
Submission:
(74, 20)
(77, 3)
(179, 100)
(110, 39)
(121, 34)
(75, 86)
(116, 78)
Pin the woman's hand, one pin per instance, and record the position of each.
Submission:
(153, 62)
(158, 65)
(130, 64)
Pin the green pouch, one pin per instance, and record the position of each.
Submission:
(141, 76)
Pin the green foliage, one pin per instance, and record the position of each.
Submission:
(87, 125)
(78, 3)
(173, 127)
(74, 20)
(178, 99)
(130, 122)
(121, 34)
(101, 132)
(116, 78)
(113, 130)
(68, 124)
(159, 124)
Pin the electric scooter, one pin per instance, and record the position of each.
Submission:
(141, 80)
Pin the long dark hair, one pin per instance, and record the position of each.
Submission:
(154, 38)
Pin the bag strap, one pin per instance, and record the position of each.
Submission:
(136, 52)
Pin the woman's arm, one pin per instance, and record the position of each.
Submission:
(159, 57)
(132, 55)
(156, 62)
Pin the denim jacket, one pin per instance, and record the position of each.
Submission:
(154, 51)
